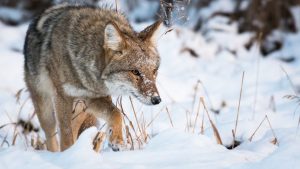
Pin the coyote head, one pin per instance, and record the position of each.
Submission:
(132, 62)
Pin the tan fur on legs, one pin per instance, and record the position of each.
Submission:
(104, 108)
(77, 122)
(64, 115)
(44, 110)
(115, 124)
(82, 121)
(78, 117)
(89, 121)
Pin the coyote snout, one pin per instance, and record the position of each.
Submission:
(155, 100)
(136, 83)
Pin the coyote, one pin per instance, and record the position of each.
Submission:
(90, 54)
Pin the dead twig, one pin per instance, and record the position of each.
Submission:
(197, 114)
(152, 120)
(272, 104)
(4, 125)
(202, 124)
(4, 141)
(129, 137)
(169, 117)
(136, 119)
(290, 80)
(169, 30)
(250, 139)
(257, 76)
(15, 136)
(207, 95)
(195, 95)
(216, 132)
(275, 140)
(238, 110)
(18, 95)
(130, 122)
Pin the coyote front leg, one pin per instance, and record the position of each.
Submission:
(104, 108)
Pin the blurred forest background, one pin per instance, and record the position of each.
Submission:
(260, 17)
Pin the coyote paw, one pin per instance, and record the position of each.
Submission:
(115, 140)
(115, 147)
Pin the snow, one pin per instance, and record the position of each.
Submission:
(12, 14)
(222, 58)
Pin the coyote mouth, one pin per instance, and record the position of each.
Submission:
(141, 99)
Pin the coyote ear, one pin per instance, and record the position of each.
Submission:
(151, 32)
(112, 37)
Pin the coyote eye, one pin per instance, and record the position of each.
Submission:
(136, 72)
(119, 52)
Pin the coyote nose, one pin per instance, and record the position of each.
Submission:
(155, 100)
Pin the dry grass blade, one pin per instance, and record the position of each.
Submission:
(238, 110)
(197, 114)
(290, 80)
(250, 139)
(98, 141)
(4, 125)
(272, 104)
(18, 95)
(32, 143)
(275, 140)
(195, 95)
(4, 141)
(216, 132)
(190, 51)
(15, 136)
(169, 30)
(202, 124)
(145, 130)
(136, 119)
(10, 119)
(14, 139)
(143, 124)
(32, 116)
(292, 97)
(137, 137)
(187, 121)
(169, 115)
(257, 75)
(298, 124)
(129, 138)
(296, 109)
(152, 120)
(206, 94)
(130, 122)
(296, 98)
(23, 104)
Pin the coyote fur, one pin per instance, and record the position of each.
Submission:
(90, 54)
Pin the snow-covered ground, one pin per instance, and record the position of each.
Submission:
(178, 143)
